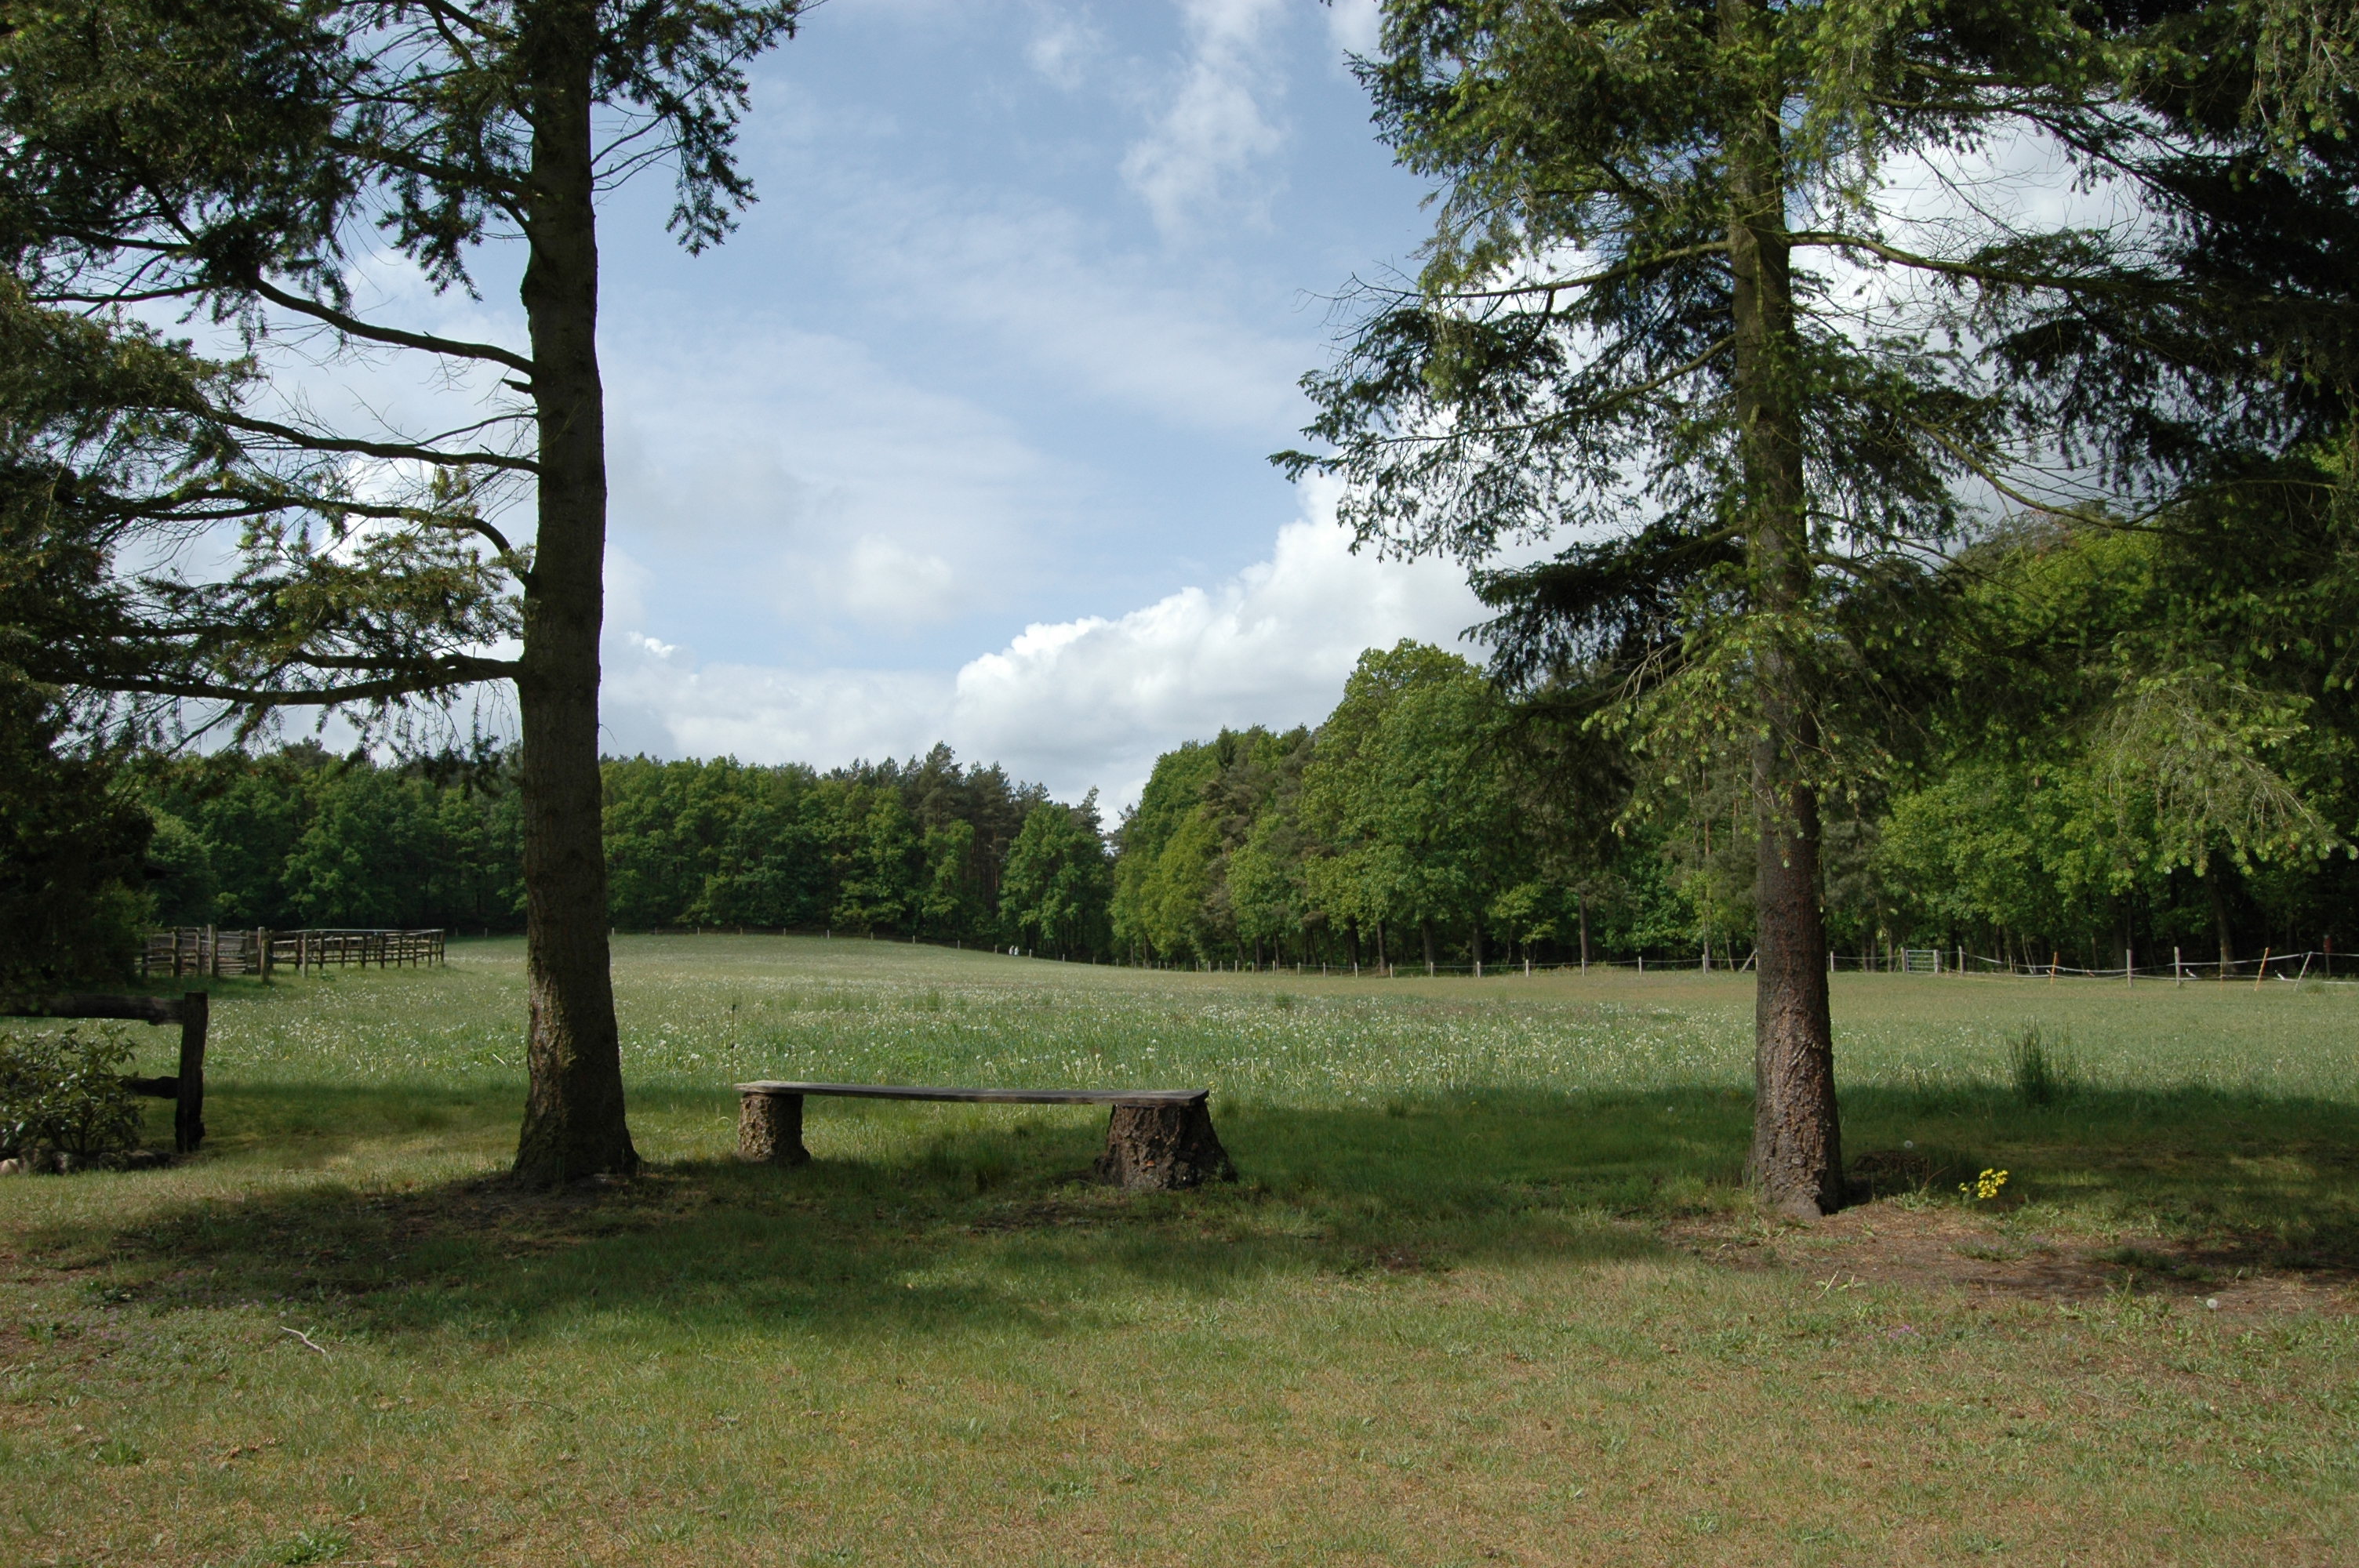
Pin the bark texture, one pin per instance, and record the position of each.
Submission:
(573, 1121)
(1163, 1148)
(1797, 1157)
(189, 1083)
(770, 1130)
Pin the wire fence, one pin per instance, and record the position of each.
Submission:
(2321, 964)
(1955, 961)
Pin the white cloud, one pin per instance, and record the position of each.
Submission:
(668, 706)
(1077, 703)
(1355, 25)
(889, 583)
(794, 472)
(1045, 284)
(1217, 125)
(1063, 47)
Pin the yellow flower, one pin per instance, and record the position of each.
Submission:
(1985, 1187)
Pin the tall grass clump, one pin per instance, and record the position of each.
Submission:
(2042, 1074)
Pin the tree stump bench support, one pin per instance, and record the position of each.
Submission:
(1157, 1140)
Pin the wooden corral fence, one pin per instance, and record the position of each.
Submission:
(185, 1088)
(209, 950)
(203, 950)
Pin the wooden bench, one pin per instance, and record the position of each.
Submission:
(1159, 1139)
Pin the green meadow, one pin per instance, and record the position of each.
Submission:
(1489, 1288)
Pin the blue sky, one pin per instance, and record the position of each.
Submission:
(964, 434)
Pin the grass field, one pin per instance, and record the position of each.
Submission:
(1488, 1291)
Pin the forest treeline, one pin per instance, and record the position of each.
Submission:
(928, 849)
(2096, 745)
(2086, 745)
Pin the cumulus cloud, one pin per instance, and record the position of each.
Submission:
(1075, 704)
(791, 472)
(659, 700)
(1097, 699)
(1218, 124)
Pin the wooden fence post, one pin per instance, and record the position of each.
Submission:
(189, 1115)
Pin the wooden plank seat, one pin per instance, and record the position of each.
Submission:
(1160, 1139)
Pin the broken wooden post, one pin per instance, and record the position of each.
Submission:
(770, 1128)
(1165, 1148)
(189, 1114)
(188, 1088)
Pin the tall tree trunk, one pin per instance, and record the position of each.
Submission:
(1583, 899)
(1425, 932)
(573, 1121)
(1796, 1141)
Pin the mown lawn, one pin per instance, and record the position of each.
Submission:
(1489, 1290)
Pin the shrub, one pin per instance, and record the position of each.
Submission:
(65, 1090)
(2042, 1074)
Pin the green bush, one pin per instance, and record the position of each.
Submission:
(65, 1091)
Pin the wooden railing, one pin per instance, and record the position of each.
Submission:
(386, 949)
(185, 1088)
(209, 950)
(203, 950)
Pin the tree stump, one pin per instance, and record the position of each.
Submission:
(1163, 1148)
(770, 1129)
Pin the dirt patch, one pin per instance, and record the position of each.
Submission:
(1943, 1247)
(1045, 1214)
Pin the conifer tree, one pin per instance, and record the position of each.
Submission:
(237, 157)
(1688, 305)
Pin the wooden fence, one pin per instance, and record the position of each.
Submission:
(209, 950)
(185, 1088)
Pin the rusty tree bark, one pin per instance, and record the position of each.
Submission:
(573, 1124)
(1797, 1158)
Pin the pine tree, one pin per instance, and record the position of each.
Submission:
(231, 157)
(1679, 306)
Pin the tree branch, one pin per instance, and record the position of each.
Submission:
(391, 449)
(454, 671)
(354, 327)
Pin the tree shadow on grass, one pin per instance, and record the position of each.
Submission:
(2273, 1178)
(963, 1225)
(959, 1226)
